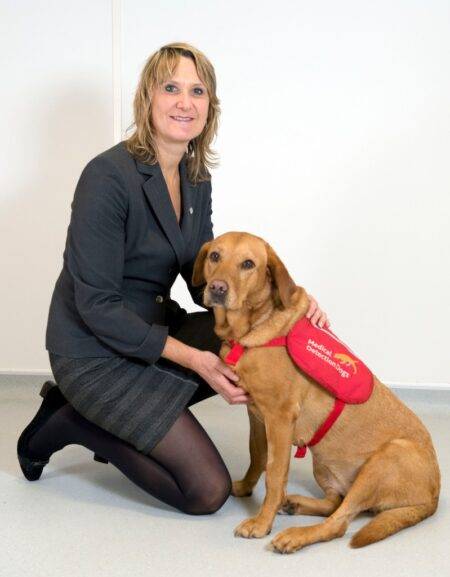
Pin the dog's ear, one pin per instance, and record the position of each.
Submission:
(198, 276)
(281, 279)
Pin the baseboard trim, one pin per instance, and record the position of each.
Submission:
(30, 373)
(390, 384)
(418, 386)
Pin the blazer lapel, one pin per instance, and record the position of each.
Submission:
(188, 198)
(156, 191)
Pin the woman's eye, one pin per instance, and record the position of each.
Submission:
(214, 256)
(248, 264)
(171, 88)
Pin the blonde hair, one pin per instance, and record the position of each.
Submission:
(158, 68)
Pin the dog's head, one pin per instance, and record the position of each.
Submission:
(241, 268)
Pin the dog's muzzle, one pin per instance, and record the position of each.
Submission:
(218, 291)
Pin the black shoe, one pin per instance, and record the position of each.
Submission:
(100, 459)
(30, 463)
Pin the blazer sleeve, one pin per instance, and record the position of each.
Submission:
(205, 235)
(95, 258)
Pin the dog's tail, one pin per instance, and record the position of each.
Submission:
(389, 522)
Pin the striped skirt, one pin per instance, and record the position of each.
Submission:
(131, 399)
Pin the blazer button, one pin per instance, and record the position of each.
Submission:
(159, 299)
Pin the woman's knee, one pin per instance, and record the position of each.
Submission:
(210, 497)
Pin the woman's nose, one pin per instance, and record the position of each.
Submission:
(184, 101)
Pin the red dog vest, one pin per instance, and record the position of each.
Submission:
(321, 355)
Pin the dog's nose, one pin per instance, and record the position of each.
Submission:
(218, 288)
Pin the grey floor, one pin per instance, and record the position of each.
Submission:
(85, 518)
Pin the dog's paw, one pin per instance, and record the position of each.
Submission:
(241, 489)
(252, 527)
(290, 505)
(287, 541)
(282, 509)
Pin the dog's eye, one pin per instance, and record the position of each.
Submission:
(248, 264)
(214, 256)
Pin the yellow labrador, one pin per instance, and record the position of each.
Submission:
(377, 457)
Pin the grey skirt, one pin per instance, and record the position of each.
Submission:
(131, 399)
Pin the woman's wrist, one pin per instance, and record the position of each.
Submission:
(193, 360)
(180, 353)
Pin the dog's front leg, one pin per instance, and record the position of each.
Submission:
(258, 457)
(279, 430)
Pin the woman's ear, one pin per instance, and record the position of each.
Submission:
(281, 279)
(198, 276)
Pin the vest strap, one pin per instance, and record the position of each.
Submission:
(236, 352)
(323, 429)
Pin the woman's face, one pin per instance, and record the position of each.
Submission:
(180, 105)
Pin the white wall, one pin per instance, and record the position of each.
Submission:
(56, 114)
(334, 146)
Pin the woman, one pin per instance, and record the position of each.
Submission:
(127, 359)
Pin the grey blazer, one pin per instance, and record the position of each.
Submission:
(123, 251)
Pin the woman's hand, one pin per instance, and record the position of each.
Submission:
(219, 376)
(316, 315)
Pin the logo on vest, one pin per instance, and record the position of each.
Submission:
(346, 360)
(327, 355)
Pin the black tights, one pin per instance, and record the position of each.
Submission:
(184, 469)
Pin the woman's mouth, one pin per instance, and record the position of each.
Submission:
(182, 118)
